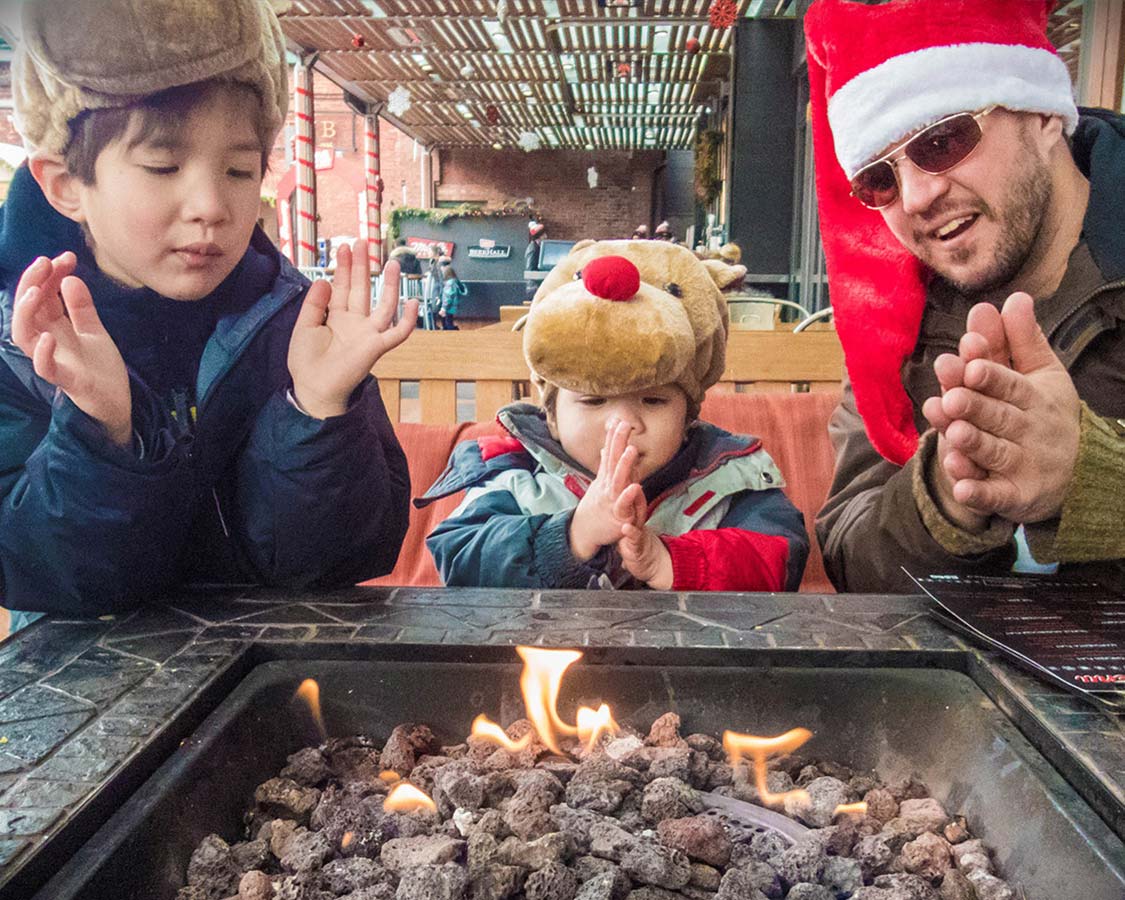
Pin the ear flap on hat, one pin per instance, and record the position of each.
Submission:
(723, 274)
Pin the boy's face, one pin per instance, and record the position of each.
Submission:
(657, 416)
(176, 216)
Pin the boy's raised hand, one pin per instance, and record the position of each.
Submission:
(56, 325)
(642, 552)
(594, 524)
(338, 337)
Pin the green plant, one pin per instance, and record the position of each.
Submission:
(437, 216)
(708, 177)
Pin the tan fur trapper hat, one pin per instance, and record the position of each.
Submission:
(104, 54)
(621, 316)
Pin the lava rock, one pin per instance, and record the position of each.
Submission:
(212, 869)
(700, 838)
(705, 877)
(308, 767)
(302, 886)
(909, 789)
(804, 861)
(928, 855)
(305, 851)
(819, 809)
(551, 848)
(553, 882)
(611, 884)
(665, 732)
(988, 887)
(923, 815)
(668, 798)
(609, 841)
(842, 875)
(255, 885)
(457, 785)
(649, 892)
(955, 886)
(749, 881)
(708, 744)
(283, 798)
(406, 743)
(342, 876)
(650, 863)
(432, 882)
(957, 830)
(971, 855)
(249, 855)
(482, 851)
(874, 855)
(907, 887)
(496, 882)
(805, 891)
(400, 854)
(881, 804)
(576, 823)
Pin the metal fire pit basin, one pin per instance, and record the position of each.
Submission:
(899, 721)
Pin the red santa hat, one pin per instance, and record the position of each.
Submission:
(876, 75)
(534, 229)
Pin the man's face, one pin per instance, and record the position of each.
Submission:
(976, 225)
(177, 216)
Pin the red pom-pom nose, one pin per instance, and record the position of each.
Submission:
(611, 278)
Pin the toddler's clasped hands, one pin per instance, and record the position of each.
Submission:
(613, 511)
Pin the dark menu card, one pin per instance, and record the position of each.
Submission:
(1068, 631)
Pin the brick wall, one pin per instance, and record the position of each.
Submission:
(556, 181)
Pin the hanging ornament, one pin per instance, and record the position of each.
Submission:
(467, 71)
(691, 46)
(722, 13)
(501, 11)
(528, 141)
(398, 101)
(359, 41)
(624, 70)
(492, 114)
(592, 177)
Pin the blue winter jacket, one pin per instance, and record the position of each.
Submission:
(513, 527)
(254, 492)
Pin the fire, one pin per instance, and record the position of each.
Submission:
(485, 728)
(542, 676)
(347, 839)
(405, 797)
(760, 749)
(309, 691)
(389, 776)
(592, 724)
(846, 809)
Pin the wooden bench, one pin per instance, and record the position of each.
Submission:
(420, 380)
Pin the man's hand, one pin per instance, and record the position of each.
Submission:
(56, 325)
(594, 524)
(338, 337)
(1017, 426)
(642, 552)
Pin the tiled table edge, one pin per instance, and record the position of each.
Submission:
(160, 657)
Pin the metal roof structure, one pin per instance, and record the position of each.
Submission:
(601, 74)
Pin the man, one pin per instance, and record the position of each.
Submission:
(979, 296)
(664, 233)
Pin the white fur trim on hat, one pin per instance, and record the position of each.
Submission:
(884, 104)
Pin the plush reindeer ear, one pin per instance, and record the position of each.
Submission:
(722, 274)
(581, 245)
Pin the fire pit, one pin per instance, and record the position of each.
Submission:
(933, 724)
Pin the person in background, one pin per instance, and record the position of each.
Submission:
(451, 293)
(614, 481)
(730, 253)
(177, 404)
(664, 233)
(407, 259)
(971, 217)
(640, 233)
(536, 232)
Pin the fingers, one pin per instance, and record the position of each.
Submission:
(935, 414)
(988, 451)
(43, 358)
(950, 370)
(986, 496)
(623, 471)
(958, 466)
(1000, 383)
(997, 417)
(342, 280)
(359, 296)
(80, 306)
(401, 331)
(315, 305)
(630, 505)
(387, 306)
(984, 321)
(1030, 350)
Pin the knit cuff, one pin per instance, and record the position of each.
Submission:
(952, 537)
(1092, 525)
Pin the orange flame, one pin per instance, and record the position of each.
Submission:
(542, 676)
(845, 809)
(389, 776)
(309, 691)
(405, 797)
(592, 724)
(760, 749)
(347, 839)
(484, 728)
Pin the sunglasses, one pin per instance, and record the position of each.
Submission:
(934, 150)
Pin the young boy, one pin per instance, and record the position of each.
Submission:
(614, 482)
(176, 403)
(452, 290)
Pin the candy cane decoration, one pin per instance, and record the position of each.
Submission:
(373, 187)
(306, 164)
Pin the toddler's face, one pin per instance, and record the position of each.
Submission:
(657, 416)
(177, 217)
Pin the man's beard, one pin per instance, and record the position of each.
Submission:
(1022, 214)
